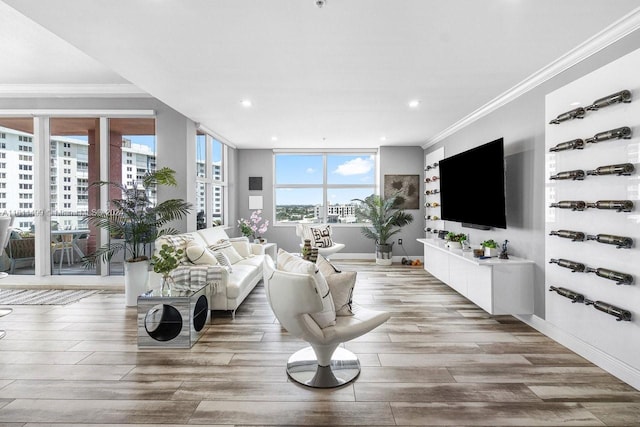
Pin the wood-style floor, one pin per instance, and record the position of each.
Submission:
(439, 360)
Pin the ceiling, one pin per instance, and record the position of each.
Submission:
(340, 76)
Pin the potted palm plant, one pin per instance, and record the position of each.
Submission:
(134, 222)
(385, 220)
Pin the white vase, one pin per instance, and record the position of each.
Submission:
(136, 275)
(492, 252)
(454, 245)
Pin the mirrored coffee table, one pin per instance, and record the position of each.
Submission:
(174, 317)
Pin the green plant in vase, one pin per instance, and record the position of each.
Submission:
(490, 247)
(165, 261)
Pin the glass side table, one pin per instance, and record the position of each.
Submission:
(173, 318)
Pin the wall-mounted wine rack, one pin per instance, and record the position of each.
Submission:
(432, 219)
(575, 297)
(592, 191)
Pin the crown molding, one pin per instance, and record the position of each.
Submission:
(611, 34)
(71, 91)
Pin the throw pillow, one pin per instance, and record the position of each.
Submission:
(223, 260)
(325, 267)
(322, 236)
(293, 264)
(226, 248)
(341, 286)
(242, 245)
(178, 242)
(200, 254)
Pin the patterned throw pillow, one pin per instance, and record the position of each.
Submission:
(322, 236)
(178, 242)
(223, 260)
(227, 248)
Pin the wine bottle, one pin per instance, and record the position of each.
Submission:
(574, 175)
(575, 236)
(575, 144)
(435, 204)
(614, 98)
(577, 113)
(573, 265)
(619, 241)
(431, 166)
(617, 205)
(618, 133)
(567, 293)
(574, 205)
(618, 312)
(616, 276)
(620, 169)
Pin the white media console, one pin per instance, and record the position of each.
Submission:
(497, 286)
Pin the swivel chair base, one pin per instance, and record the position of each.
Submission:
(303, 368)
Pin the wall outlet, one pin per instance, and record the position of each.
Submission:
(400, 241)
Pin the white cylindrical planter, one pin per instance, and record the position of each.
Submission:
(135, 281)
(383, 254)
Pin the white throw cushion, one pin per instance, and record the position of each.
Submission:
(341, 286)
(325, 267)
(200, 254)
(294, 264)
(223, 260)
(227, 249)
(242, 245)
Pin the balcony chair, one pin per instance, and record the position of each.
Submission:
(293, 297)
(320, 236)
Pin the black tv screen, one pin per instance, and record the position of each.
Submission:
(472, 186)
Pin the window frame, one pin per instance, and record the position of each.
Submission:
(325, 186)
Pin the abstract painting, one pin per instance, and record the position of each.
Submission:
(406, 187)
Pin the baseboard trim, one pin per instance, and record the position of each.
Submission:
(371, 256)
(615, 367)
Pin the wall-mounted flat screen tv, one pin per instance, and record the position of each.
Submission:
(472, 186)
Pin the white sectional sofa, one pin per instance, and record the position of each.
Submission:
(229, 285)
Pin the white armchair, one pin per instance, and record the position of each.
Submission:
(320, 237)
(293, 297)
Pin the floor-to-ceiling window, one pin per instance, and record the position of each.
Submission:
(47, 165)
(320, 187)
(210, 181)
(17, 193)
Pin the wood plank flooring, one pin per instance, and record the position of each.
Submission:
(439, 361)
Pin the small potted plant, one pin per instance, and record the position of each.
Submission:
(490, 247)
(454, 240)
(164, 262)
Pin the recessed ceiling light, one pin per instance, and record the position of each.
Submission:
(246, 103)
(575, 104)
(274, 138)
(383, 138)
(414, 103)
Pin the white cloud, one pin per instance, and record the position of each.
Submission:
(310, 170)
(357, 166)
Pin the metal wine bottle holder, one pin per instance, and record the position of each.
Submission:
(617, 133)
(575, 175)
(619, 313)
(574, 144)
(574, 266)
(624, 96)
(621, 242)
(575, 236)
(616, 276)
(576, 113)
(567, 293)
(580, 205)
